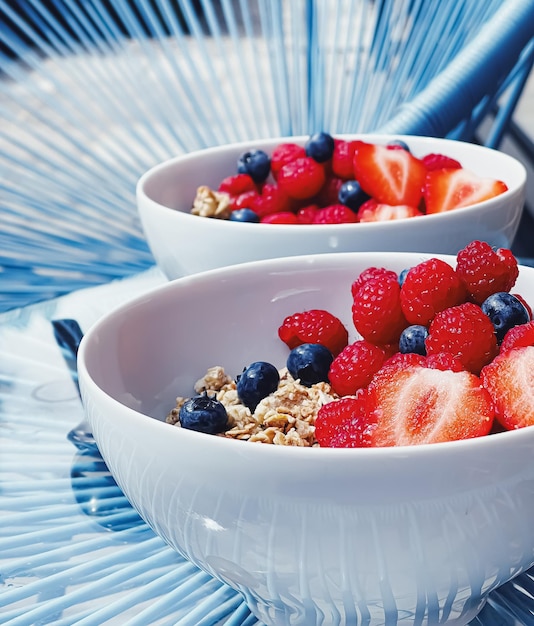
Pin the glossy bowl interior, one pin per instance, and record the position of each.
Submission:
(185, 244)
(309, 536)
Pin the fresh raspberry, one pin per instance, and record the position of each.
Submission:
(518, 337)
(377, 312)
(243, 200)
(354, 366)
(405, 359)
(302, 178)
(415, 404)
(306, 214)
(335, 214)
(271, 200)
(284, 217)
(390, 348)
(508, 379)
(430, 287)
(314, 326)
(237, 184)
(434, 161)
(372, 272)
(285, 153)
(444, 361)
(466, 332)
(485, 270)
(329, 193)
(342, 158)
(344, 423)
(369, 207)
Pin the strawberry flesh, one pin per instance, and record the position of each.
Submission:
(509, 379)
(447, 189)
(386, 212)
(392, 177)
(413, 405)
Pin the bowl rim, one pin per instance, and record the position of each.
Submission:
(294, 263)
(146, 177)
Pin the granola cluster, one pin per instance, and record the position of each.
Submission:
(209, 203)
(286, 417)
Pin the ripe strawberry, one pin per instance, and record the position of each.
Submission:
(377, 312)
(390, 176)
(485, 270)
(518, 337)
(372, 272)
(509, 379)
(335, 214)
(302, 178)
(372, 211)
(314, 326)
(448, 189)
(344, 423)
(354, 366)
(430, 287)
(285, 153)
(418, 405)
(466, 332)
(436, 161)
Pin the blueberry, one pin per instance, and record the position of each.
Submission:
(310, 363)
(204, 414)
(257, 381)
(256, 164)
(505, 311)
(320, 147)
(399, 143)
(352, 195)
(402, 276)
(244, 215)
(412, 339)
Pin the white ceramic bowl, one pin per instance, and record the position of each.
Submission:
(184, 244)
(308, 535)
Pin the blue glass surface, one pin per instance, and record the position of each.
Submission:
(72, 549)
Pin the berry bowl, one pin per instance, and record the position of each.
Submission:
(183, 243)
(404, 534)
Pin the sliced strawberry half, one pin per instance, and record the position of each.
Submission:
(509, 379)
(447, 189)
(372, 211)
(390, 176)
(413, 404)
